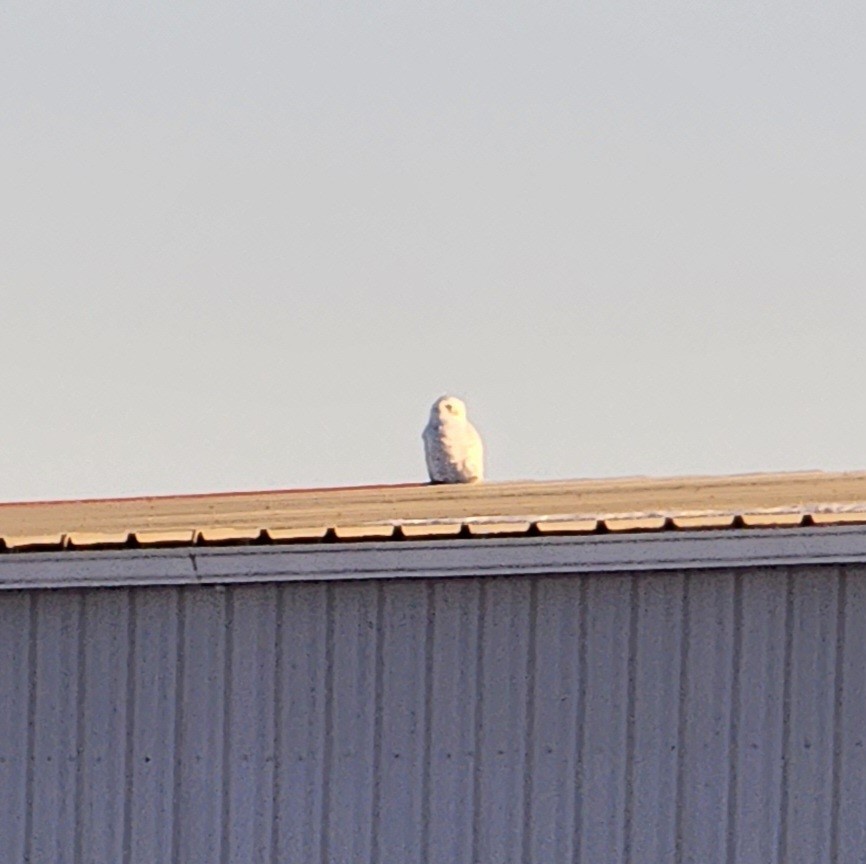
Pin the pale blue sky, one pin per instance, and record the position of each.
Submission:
(245, 246)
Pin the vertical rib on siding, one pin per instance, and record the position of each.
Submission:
(151, 756)
(55, 740)
(657, 671)
(402, 713)
(550, 808)
(707, 683)
(198, 805)
(304, 651)
(453, 718)
(754, 822)
(102, 725)
(17, 673)
(249, 761)
(351, 767)
(603, 746)
(849, 794)
(703, 716)
(499, 741)
(807, 777)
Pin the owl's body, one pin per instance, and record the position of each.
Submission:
(452, 446)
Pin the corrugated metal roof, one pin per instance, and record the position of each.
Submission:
(419, 511)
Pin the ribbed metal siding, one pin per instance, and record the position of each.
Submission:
(701, 717)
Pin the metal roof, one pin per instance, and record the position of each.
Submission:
(423, 511)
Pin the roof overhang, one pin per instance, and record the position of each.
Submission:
(514, 556)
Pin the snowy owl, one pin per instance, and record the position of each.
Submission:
(451, 444)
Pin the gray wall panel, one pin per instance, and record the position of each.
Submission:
(757, 754)
(401, 783)
(17, 658)
(200, 723)
(455, 714)
(249, 727)
(808, 772)
(304, 622)
(553, 733)
(705, 766)
(152, 738)
(850, 790)
(656, 673)
(56, 723)
(706, 716)
(103, 724)
(352, 765)
(500, 737)
(603, 739)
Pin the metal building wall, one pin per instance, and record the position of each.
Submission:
(684, 717)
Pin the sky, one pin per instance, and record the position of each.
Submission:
(245, 246)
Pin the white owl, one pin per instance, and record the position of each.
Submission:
(452, 446)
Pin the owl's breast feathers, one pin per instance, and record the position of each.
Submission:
(454, 452)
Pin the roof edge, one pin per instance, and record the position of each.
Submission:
(522, 556)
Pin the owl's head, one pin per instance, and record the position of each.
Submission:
(448, 408)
